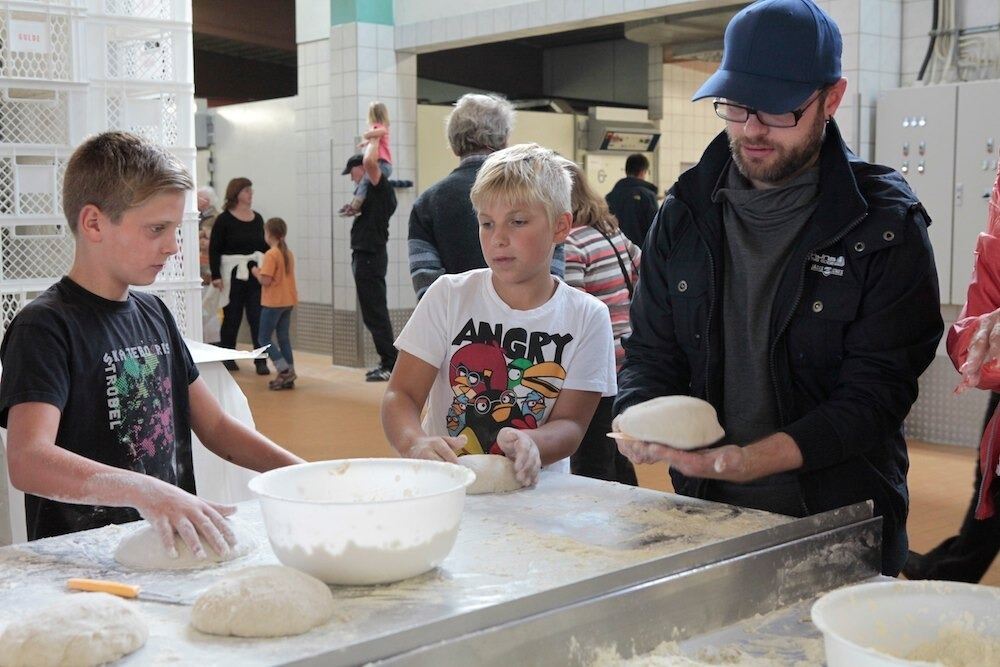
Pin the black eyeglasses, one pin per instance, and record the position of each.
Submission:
(737, 113)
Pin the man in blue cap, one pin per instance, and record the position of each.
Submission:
(792, 286)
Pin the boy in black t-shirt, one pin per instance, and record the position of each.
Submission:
(99, 393)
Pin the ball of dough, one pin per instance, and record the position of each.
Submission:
(82, 630)
(142, 550)
(494, 473)
(263, 601)
(682, 422)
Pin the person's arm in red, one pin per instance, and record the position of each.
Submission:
(973, 342)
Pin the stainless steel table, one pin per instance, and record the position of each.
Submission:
(536, 577)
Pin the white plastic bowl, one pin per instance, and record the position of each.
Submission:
(363, 521)
(869, 624)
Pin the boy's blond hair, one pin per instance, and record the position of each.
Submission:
(378, 112)
(524, 174)
(116, 171)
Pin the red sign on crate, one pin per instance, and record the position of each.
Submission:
(29, 36)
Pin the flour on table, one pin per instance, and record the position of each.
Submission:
(142, 550)
(494, 473)
(263, 601)
(82, 630)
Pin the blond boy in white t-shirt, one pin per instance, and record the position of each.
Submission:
(508, 359)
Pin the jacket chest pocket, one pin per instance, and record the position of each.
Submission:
(816, 334)
(688, 287)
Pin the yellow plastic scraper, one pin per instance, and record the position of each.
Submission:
(121, 590)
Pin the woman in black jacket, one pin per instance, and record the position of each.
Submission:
(236, 244)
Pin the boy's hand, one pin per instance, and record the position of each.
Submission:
(437, 448)
(520, 448)
(217, 283)
(170, 509)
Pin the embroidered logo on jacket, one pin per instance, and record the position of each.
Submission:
(827, 265)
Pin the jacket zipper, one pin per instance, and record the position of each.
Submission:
(795, 305)
(788, 320)
(708, 322)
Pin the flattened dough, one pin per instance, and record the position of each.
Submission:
(82, 630)
(141, 550)
(494, 473)
(263, 601)
(682, 422)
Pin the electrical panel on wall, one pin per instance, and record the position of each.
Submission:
(978, 132)
(915, 134)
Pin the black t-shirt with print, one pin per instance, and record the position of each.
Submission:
(119, 373)
(370, 231)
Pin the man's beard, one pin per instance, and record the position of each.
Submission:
(789, 163)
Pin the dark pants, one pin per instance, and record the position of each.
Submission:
(369, 279)
(598, 456)
(243, 294)
(967, 556)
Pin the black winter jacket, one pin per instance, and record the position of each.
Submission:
(633, 202)
(856, 320)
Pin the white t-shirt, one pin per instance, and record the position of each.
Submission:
(499, 366)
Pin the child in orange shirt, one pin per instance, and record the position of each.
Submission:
(277, 298)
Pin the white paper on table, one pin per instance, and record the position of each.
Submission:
(203, 352)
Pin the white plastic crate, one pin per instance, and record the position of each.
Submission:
(41, 115)
(31, 183)
(12, 301)
(138, 52)
(34, 252)
(39, 44)
(158, 10)
(162, 117)
(185, 303)
(57, 5)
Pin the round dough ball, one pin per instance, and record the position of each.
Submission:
(682, 422)
(141, 550)
(494, 473)
(263, 601)
(82, 630)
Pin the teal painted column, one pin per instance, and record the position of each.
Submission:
(361, 11)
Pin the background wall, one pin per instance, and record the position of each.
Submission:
(255, 140)
(686, 127)
(603, 71)
(408, 11)
(916, 24)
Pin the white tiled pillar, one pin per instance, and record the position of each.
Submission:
(313, 170)
(686, 127)
(364, 67)
(872, 34)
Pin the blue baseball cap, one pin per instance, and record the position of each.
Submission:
(775, 54)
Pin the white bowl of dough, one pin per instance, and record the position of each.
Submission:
(363, 521)
(896, 623)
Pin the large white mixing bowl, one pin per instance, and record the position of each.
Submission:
(363, 521)
(868, 624)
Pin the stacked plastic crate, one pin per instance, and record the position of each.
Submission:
(42, 106)
(69, 68)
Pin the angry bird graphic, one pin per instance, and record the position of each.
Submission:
(455, 420)
(524, 378)
(485, 415)
(533, 404)
(476, 368)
